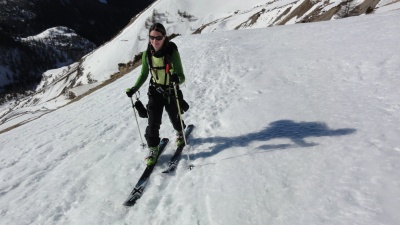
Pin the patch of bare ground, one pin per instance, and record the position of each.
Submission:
(298, 12)
(253, 19)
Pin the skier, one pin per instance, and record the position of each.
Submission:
(163, 61)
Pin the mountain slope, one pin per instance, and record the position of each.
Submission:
(24, 58)
(23, 63)
(180, 17)
(288, 131)
(94, 20)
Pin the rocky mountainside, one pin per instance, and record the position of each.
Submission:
(80, 26)
(24, 60)
(97, 21)
(285, 12)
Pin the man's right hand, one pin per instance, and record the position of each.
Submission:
(130, 91)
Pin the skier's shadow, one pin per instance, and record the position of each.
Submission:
(295, 131)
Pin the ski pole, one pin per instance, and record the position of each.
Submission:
(137, 123)
(183, 131)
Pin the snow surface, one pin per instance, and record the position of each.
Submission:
(294, 124)
(389, 7)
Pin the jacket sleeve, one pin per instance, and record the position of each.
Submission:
(144, 73)
(177, 64)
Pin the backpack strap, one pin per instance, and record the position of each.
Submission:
(171, 46)
(169, 49)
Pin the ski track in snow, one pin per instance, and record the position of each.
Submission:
(294, 125)
(215, 85)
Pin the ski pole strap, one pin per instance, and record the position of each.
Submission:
(136, 94)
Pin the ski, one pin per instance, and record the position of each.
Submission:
(137, 191)
(173, 162)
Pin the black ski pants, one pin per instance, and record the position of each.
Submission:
(157, 102)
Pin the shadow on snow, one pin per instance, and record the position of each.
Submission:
(294, 131)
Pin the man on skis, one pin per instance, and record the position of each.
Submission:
(163, 61)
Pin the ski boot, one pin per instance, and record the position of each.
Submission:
(180, 141)
(153, 156)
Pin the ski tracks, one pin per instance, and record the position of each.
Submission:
(211, 85)
(177, 198)
(181, 197)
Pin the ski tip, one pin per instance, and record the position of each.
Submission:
(129, 204)
(169, 170)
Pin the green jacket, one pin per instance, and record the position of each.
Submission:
(176, 68)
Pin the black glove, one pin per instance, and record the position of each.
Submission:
(130, 91)
(174, 78)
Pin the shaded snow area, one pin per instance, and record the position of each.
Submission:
(295, 124)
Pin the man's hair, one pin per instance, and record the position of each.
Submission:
(159, 28)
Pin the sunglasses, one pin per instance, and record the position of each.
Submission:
(158, 38)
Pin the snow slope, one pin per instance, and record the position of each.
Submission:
(179, 17)
(294, 125)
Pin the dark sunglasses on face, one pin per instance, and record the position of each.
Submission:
(158, 38)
